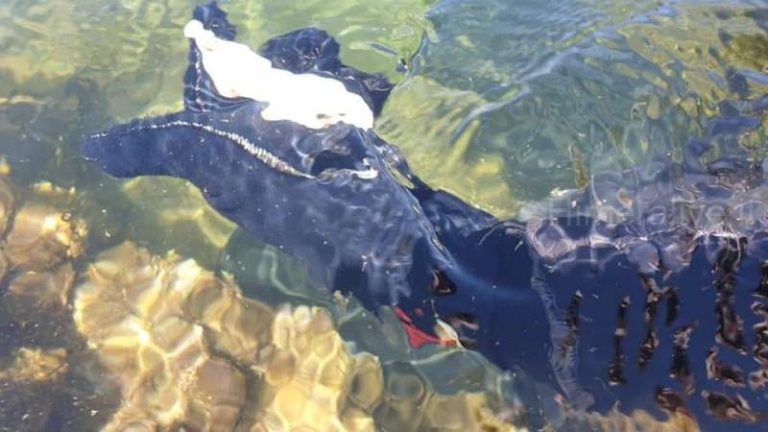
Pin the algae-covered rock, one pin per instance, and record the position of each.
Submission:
(36, 365)
(638, 420)
(316, 376)
(186, 349)
(32, 293)
(170, 333)
(42, 237)
(7, 204)
(26, 383)
(130, 309)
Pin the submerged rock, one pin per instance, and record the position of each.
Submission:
(32, 293)
(171, 332)
(7, 205)
(130, 309)
(26, 385)
(43, 237)
(35, 364)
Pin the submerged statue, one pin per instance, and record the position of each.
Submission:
(648, 289)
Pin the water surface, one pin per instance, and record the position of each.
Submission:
(502, 103)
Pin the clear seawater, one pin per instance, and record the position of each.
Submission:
(501, 102)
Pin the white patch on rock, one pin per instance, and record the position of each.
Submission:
(311, 100)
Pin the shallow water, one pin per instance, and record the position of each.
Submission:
(499, 102)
